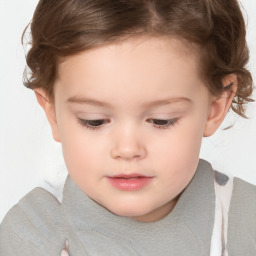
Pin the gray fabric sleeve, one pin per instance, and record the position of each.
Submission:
(34, 226)
(14, 236)
(242, 220)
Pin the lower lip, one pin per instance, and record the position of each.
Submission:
(131, 184)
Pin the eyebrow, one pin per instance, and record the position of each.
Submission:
(166, 101)
(88, 101)
(94, 102)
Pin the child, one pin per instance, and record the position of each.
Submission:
(130, 87)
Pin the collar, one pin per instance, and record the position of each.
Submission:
(191, 220)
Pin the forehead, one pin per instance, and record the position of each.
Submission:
(135, 45)
(142, 63)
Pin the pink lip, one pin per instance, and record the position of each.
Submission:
(130, 182)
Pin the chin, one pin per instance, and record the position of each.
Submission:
(130, 211)
(127, 212)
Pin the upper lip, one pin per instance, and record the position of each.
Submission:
(129, 176)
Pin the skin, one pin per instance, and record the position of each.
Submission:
(131, 86)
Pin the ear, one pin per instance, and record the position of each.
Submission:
(220, 105)
(49, 110)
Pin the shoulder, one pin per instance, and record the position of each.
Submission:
(32, 226)
(242, 219)
(243, 201)
(242, 196)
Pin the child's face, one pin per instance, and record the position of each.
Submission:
(152, 111)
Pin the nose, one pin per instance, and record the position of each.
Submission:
(128, 145)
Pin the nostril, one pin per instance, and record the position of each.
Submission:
(128, 153)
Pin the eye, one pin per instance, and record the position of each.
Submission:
(92, 124)
(163, 123)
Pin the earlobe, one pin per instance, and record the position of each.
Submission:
(49, 110)
(220, 105)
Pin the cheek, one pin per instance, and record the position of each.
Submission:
(82, 162)
(80, 151)
(178, 150)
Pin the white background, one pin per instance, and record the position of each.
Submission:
(28, 155)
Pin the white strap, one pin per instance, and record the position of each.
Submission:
(223, 185)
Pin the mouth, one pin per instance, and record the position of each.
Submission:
(129, 182)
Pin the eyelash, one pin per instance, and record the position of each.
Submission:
(170, 123)
(86, 124)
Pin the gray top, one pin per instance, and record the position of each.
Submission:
(242, 220)
(40, 225)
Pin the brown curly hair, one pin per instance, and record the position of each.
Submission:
(61, 28)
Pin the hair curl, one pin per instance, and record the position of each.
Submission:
(61, 28)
